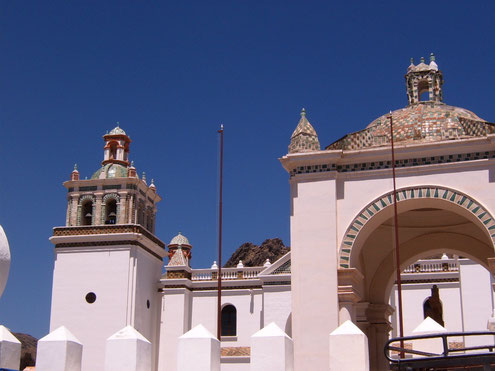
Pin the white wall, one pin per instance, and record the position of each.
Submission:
(315, 308)
(277, 305)
(104, 272)
(413, 297)
(477, 300)
(121, 277)
(248, 304)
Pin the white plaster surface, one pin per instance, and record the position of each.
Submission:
(428, 327)
(198, 350)
(413, 297)
(174, 323)
(60, 350)
(123, 279)
(348, 348)
(4, 260)
(477, 301)
(127, 350)
(277, 306)
(314, 270)
(248, 304)
(10, 349)
(272, 349)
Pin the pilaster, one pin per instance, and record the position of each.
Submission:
(74, 209)
(97, 216)
(349, 291)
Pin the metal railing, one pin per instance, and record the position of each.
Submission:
(410, 359)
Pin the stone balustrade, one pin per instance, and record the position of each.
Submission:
(227, 273)
(433, 265)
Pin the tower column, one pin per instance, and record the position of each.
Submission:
(122, 217)
(74, 209)
(97, 216)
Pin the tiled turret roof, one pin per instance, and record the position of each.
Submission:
(304, 138)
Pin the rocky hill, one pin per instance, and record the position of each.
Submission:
(253, 255)
(28, 349)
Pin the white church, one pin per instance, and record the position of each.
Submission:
(109, 263)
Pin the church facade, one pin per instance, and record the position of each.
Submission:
(108, 260)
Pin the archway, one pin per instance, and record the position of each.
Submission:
(432, 220)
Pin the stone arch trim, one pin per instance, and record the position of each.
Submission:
(86, 197)
(116, 196)
(409, 193)
(81, 201)
(105, 199)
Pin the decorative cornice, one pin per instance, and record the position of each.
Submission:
(60, 246)
(106, 229)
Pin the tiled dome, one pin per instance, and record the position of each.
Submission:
(179, 240)
(422, 122)
(117, 131)
(111, 171)
(428, 120)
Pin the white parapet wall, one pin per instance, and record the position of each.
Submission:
(10, 350)
(198, 350)
(272, 349)
(428, 327)
(127, 350)
(348, 348)
(60, 350)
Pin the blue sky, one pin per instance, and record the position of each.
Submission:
(171, 73)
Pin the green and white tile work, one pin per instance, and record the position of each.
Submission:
(423, 192)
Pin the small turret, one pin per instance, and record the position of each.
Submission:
(75, 173)
(131, 171)
(179, 251)
(304, 138)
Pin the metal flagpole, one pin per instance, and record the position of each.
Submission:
(219, 278)
(396, 232)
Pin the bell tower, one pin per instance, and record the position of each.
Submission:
(107, 257)
(424, 78)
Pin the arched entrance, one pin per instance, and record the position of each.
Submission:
(432, 220)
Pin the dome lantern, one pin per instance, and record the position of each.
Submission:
(116, 150)
(422, 79)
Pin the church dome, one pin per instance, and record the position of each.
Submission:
(429, 120)
(439, 114)
(179, 240)
(110, 171)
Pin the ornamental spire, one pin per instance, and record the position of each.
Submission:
(304, 138)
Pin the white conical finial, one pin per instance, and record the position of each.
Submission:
(303, 112)
(214, 265)
(267, 263)
(433, 65)
(445, 256)
(240, 265)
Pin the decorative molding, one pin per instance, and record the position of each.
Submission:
(377, 165)
(404, 194)
(106, 229)
(106, 243)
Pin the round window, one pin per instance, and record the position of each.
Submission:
(90, 297)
